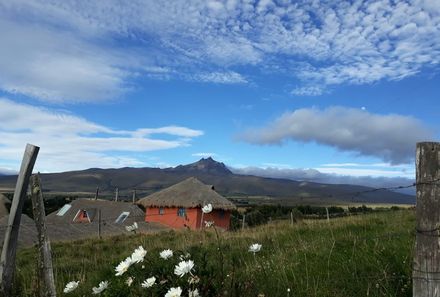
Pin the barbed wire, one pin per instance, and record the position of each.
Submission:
(144, 217)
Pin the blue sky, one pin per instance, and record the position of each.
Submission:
(298, 89)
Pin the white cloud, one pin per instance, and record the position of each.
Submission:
(390, 137)
(7, 171)
(221, 77)
(365, 172)
(204, 155)
(385, 177)
(69, 142)
(71, 50)
(308, 91)
(57, 67)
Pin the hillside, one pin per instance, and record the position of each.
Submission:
(209, 171)
(365, 255)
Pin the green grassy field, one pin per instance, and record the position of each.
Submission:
(365, 255)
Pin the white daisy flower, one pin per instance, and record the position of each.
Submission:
(101, 287)
(129, 281)
(132, 228)
(255, 248)
(70, 286)
(207, 208)
(123, 266)
(183, 268)
(149, 282)
(174, 292)
(166, 254)
(138, 255)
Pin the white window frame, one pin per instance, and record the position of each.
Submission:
(62, 211)
(79, 211)
(124, 213)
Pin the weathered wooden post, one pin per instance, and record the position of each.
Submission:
(291, 218)
(328, 216)
(116, 194)
(7, 262)
(97, 193)
(426, 266)
(45, 253)
(134, 196)
(99, 223)
(243, 222)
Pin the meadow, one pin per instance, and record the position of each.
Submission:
(363, 255)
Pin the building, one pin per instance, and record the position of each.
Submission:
(180, 206)
(82, 218)
(27, 235)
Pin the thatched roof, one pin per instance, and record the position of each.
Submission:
(188, 193)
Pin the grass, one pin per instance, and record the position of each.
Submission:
(365, 255)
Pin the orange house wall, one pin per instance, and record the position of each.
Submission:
(221, 218)
(192, 219)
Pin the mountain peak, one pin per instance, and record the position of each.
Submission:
(206, 165)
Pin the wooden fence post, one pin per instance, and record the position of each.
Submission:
(328, 216)
(45, 253)
(426, 266)
(7, 261)
(243, 222)
(116, 194)
(97, 193)
(291, 218)
(134, 196)
(99, 223)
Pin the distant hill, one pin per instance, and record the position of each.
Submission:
(209, 171)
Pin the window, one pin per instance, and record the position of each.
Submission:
(84, 215)
(181, 212)
(161, 211)
(122, 217)
(63, 210)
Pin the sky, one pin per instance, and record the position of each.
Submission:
(328, 91)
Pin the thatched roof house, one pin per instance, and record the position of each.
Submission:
(180, 205)
(189, 193)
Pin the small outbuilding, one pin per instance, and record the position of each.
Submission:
(181, 206)
(82, 218)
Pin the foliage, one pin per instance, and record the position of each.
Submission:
(363, 255)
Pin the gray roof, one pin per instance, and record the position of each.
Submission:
(110, 211)
(64, 228)
(3, 209)
(27, 234)
(188, 193)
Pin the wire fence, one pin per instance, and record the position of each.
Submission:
(146, 216)
(111, 223)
